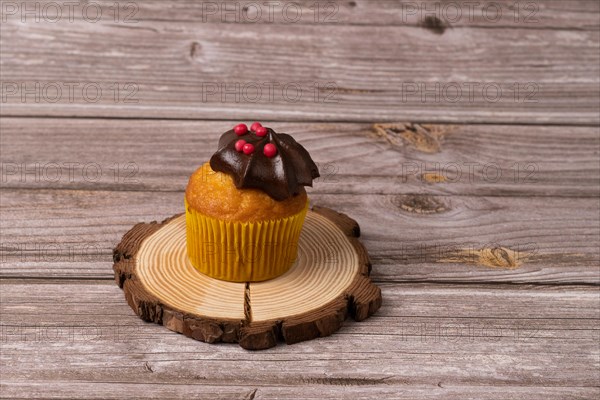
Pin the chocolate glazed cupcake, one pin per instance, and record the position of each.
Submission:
(245, 209)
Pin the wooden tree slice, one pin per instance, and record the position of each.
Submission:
(329, 279)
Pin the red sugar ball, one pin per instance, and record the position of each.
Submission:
(270, 150)
(248, 148)
(261, 131)
(239, 145)
(255, 126)
(240, 129)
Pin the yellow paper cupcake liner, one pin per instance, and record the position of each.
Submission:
(242, 251)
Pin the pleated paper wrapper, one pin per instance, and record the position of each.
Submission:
(242, 251)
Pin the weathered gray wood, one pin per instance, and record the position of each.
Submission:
(337, 388)
(362, 73)
(553, 14)
(486, 341)
(354, 158)
(65, 233)
(66, 331)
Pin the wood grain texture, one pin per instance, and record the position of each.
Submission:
(551, 14)
(154, 69)
(490, 160)
(487, 341)
(490, 284)
(311, 300)
(552, 240)
(341, 388)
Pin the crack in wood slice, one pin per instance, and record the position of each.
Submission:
(329, 280)
(247, 307)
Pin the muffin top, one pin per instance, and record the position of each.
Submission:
(214, 194)
(260, 158)
(255, 175)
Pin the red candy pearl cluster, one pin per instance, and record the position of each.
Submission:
(241, 145)
(258, 129)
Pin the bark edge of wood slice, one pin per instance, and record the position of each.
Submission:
(152, 289)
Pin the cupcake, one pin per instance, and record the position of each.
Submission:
(245, 208)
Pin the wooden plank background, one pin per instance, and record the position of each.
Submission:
(481, 216)
(428, 341)
(169, 66)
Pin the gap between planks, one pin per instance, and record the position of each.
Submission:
(287, 119)
(54, 280)
(120, 189)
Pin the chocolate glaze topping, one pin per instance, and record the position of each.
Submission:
(280, 176)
